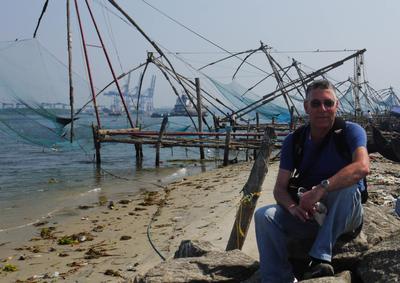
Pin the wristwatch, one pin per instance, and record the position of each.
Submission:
(324, 184)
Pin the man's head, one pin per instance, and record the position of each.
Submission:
(321, 104)
(320, 84)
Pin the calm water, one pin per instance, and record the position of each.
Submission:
(37, 181)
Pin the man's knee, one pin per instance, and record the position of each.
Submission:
(259, 215)
(265, 213)
(346, 195)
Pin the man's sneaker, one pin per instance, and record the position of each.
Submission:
(319, 270)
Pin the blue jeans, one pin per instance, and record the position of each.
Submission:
(275, 226)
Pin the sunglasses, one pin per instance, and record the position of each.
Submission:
(328, 103)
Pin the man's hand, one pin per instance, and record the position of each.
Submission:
(298, 212)
(310, 198)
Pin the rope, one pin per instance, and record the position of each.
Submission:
(148, 234)
(199, 35)
(129, 179)
(111, 34)
(245, 200)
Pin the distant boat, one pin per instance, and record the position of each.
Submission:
(112, 113)
(184, 107)
(395, 111)
(158, 114)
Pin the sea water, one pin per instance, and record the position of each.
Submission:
(38, 182)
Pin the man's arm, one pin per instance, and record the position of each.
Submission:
(283, 198)
(347, 176)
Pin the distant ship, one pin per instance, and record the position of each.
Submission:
(183, 107)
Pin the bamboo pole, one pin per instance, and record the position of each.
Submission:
(93, 92)
(251, 192)
(180, 143)
(109, 64)
(162, 130)
(199, 114)
(227, 143)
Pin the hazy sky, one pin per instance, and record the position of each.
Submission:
(286, 25)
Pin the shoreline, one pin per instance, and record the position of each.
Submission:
(52, 203)
(112, 242)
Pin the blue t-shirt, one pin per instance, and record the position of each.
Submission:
(328, 161)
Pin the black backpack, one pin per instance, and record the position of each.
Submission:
(338, 133)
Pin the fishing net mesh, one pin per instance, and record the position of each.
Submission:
(34, 93)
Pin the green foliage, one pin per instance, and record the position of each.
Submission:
(9, 268)
(102, 200)
(46, 232)
(67, 240)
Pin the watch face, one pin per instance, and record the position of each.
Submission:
(325, 183)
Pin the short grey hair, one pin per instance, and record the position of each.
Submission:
(319, 84)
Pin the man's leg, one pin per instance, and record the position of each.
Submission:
(344, 215)
(274, 226)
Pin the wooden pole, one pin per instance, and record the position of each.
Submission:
(291, 127)
(257, 130)
(247, 150)
(139, 155)
(97, 144)
(199, 114)
(162, 130)
(71, 87)
(227, 142)
(251, 192)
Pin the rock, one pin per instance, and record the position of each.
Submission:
(194, 248)
(382, 262)
(343, 277)
(111, 205)
(84, 207)
(210, 266)
(111, 272)
(379, 222)
(125, 238)
(255, 278)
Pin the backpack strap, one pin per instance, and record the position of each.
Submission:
(299, 137)
(339, 138)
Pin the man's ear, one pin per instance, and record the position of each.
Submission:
(306, 107)
(337, 103)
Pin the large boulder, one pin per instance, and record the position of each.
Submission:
(201, 262)
(342, 277)
(379, 223)
(382, 262)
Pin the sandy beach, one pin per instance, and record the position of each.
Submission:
(113, 242)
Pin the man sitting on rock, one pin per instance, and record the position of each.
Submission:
(329, 179)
